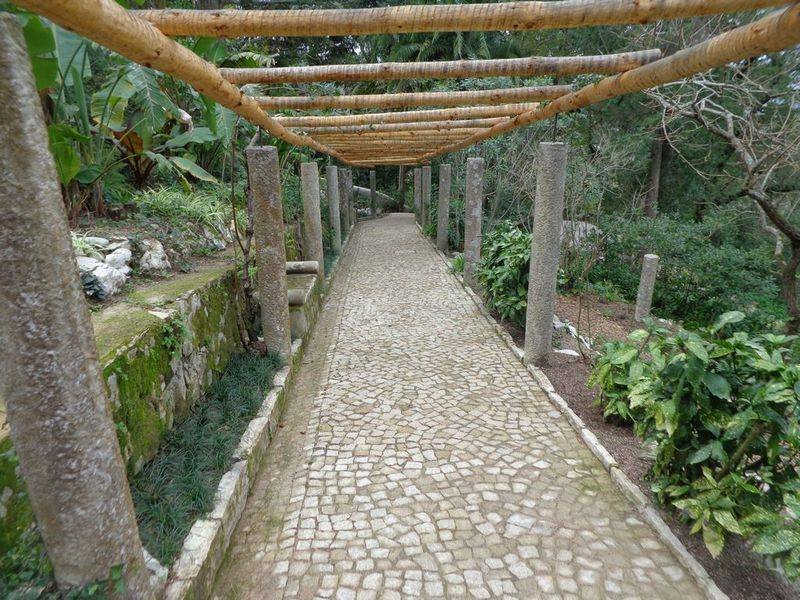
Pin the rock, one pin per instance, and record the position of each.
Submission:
(86, 264)
(119, 259)
(118, 242)
(154, 258)
(98, 242)
(99, 279)
(110, 279)
(576, 233)
(213, 239)
(567, 352)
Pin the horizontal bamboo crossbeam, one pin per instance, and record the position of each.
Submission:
(506, 16)
(398, 135)
(777, 31)
(412, 116)
(110, 25)
(448, 69)
(414, 100)
(438, 125)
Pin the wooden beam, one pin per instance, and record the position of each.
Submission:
(502, 16)
(414, 100)
(411, 116)
(773, 33)
(108, 24)
(447, 69)
(438, 125)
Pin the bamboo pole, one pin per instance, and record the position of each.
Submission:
(499, 67)
(411, 116)
(413, 100)
(397, 135)
(777, 31)
(108, 24)
(386, 127)
(505, 16)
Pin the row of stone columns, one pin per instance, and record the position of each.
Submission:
(57, 406)
(545, 247)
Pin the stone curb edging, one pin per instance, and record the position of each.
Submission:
(193, 572)
(622, 482)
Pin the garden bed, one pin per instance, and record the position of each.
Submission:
(737, 571)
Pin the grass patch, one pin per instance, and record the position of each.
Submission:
(178, 485)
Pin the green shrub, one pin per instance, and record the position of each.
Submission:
(702, 273)
(503, 271)
(723, 410)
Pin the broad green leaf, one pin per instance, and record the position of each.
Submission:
(39, 37)
(733, 316)
(198, 135)
(192, 168)
(623, 355)
(713, 539)
(717, 385)
(700, 455)
(88, 175)
(727, 520)
(71, 55)
(695, 346)
(153, 103)
(779, 541)
(68, 163)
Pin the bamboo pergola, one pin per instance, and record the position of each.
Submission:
(452, 120)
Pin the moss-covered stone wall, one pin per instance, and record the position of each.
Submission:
(160, 348)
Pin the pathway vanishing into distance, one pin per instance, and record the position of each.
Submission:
(418, 458)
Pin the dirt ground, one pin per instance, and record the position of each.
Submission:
(737, 571)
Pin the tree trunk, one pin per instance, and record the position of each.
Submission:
(58, 410)
(401, 189)
(789, 288)
(650, 200)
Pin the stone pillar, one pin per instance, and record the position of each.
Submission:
(443, 208)
(473, 215)
(426, 196)
(332, 186)
(418, 192)
(344, 209)
(548, 211)
(312, 219)
(372, 198)
(351, 208)
(644, 299)
(56, 402)
(265, 187)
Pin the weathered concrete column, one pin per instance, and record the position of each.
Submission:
(312, 219)
(57, 407)
(353, 214)
(418, 193)
(332, 186)
(373, 211)
(443, 208)
(545, 251)
(473, 215)
(344, 209)
(644, 298)
(265, 186)
(426, 196)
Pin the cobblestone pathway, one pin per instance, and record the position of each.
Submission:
(419, 459)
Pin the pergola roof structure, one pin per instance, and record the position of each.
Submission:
(455, 120)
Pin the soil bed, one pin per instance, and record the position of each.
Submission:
(737, 571)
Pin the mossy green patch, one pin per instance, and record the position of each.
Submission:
(168, 291)
(117, 325)
(15, 509)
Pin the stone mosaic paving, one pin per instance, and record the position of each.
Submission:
(419, 459)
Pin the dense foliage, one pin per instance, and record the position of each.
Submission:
(721, 407)
(705, 269)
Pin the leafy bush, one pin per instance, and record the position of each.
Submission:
(702, 273)
(723, 410)
(503, 271)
